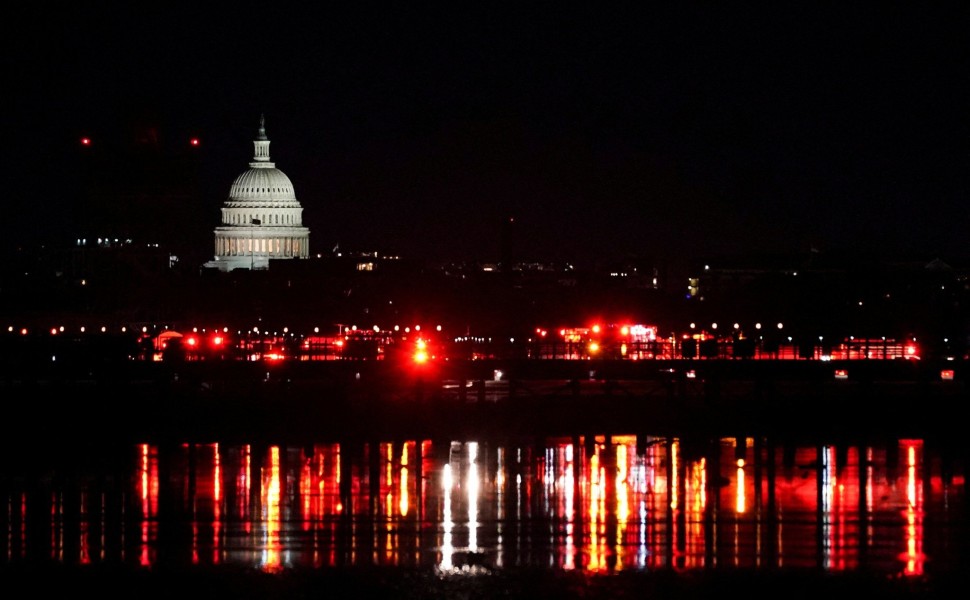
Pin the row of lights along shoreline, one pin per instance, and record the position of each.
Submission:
(613, 341)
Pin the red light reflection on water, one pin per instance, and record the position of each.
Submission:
(206, 504)
(17, 528)
(57, 527)
(271, 515)
(914, 559)
(608, 503)
(596, 555)
(216, 502)
(148, 493)
(84, 545)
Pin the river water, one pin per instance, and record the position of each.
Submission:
(346, 483)
(588, 504)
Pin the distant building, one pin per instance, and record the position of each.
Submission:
(262, 219)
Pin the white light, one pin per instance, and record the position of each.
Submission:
(446, 479)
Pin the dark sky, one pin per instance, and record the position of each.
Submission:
(705, 130)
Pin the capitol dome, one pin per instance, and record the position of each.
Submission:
(261, 218)
(256, 185)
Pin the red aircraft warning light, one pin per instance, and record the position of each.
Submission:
(420, 351)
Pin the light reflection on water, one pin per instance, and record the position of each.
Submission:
(596, 504)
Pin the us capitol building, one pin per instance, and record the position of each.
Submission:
(261, 218)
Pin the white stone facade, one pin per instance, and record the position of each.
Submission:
(261, 219)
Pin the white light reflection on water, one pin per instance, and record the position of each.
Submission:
(473, 485)
(447, 524)
(500, 495)
(404, 502)
(457, 557)
(569, 502)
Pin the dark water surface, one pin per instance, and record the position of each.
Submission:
(592, 515)
(245, 481)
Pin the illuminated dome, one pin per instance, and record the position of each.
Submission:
(260, 184)
(261, 219)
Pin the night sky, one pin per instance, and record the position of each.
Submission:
(671, 134)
